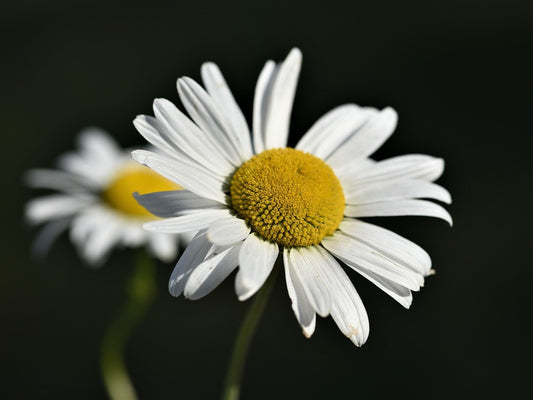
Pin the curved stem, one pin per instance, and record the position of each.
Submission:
(141, 291)
(232, 386)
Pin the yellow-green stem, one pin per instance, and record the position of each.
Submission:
(140, 291)
(232, 386)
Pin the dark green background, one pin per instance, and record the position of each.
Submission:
(458, 73)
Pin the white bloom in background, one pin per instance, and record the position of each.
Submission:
(95, 200)
(251, 197)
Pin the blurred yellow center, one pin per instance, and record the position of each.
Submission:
(134, 178)
(288, 197)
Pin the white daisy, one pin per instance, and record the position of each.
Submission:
(253, 199)
(95, 200)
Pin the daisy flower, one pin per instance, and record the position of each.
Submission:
(253, 199)
(95, 186)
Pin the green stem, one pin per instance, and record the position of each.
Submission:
(141, 291)
(232, 386)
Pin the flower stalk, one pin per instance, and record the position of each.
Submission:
(232, 386)
(141, 291)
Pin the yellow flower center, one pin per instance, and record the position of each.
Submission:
(288, 197)
(134, 178)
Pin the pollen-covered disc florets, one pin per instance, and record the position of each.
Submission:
(288, 197)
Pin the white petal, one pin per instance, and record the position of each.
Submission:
(228, 230)
(261, 99)
(47, 235)
(186, 237)
(398, 207)
(172, 203)
(132, 233)
(348, 172)
(333, 129)
(98, 145)
(189, 222)
(410, 166)
(193, 255)
(395, 190)
(306, 266)
(389, 243)
(210, 119)
(211, 272)
(93, 175)
(256, 260)
(163, 246)
(83, 223)
(56, 180)
(153, 131)
(359, 256)
(347, 309)
(367, 139)
(398, 292)
(304, 312)
(54, 206)
(281, 97)
(188, 174)
(190, 140)
(97, 159)
(221, 94)
(100, 241)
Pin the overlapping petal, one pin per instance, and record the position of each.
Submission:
(256, 260)
(274, 96)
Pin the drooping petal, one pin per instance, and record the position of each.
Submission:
(211, 272)
(398, 292)
(347, 309)
(189, 222)
(172, 203)
(359, 256)
(306, 266)
(397, 208)
(193, 255)
(221, 94)
(388, 243)
(304, 312)
(228, 230)
(188, 174)
(256, 260)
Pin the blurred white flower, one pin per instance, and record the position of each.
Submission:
(94, 200)
(253, 199)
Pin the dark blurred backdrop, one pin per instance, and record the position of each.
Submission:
(459, 75)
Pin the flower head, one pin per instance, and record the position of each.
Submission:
(253, 199)
(95, 200)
